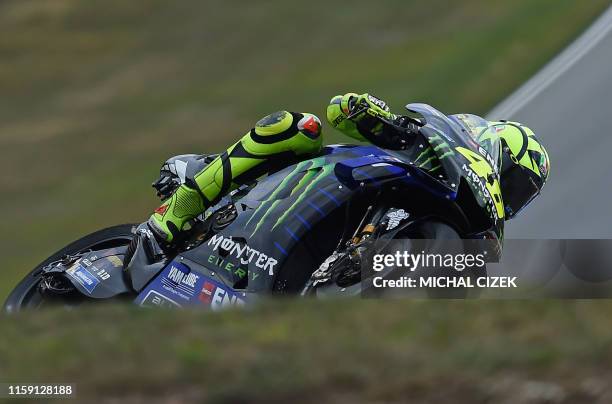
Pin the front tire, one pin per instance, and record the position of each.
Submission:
(26, 294)
(437, 236)
(441, 239)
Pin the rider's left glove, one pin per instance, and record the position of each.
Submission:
(366, 104)
(365, 117)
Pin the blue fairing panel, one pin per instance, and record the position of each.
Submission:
(179, 286)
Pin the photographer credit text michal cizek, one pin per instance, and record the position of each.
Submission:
(458, 262)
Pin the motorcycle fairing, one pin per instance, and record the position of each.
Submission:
(463, 159)
(274, 216)
(282, 208)
(98, 274)
(185, 283)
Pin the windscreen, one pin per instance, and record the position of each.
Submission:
(465, 130)
(486, 136)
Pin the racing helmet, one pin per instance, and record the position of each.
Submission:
(523, 166)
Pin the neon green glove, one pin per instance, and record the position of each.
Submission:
(361, 117)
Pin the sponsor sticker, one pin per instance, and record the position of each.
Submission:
(115, 261)
(178, 285)
(84, 277)
(180, 281)
(219, 296)
(208, 289)
(395, 217)
(244, 253)
(156, 299)
(225, 298)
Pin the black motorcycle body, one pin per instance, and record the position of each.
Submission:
(269, 237)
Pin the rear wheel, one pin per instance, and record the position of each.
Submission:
(27, 294)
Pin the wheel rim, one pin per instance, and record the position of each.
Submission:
(31, 298)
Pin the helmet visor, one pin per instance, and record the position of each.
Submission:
(518, 186)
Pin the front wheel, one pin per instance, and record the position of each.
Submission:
(436, 240)
(27, 295)
(432, 237)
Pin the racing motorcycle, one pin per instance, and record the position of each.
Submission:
(306, 230)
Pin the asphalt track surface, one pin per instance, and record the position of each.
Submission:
(568, 104)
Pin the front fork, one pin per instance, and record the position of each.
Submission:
(370, 225)
(344, 264)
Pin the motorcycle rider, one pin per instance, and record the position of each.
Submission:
(282, 138)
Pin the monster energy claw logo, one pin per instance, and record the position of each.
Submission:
(306, 177)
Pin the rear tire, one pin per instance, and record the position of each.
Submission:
(26, 294)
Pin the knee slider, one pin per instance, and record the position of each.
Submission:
(274, 124)
(288, 124)
(286, 131)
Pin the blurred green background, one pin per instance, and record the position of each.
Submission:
(95, 95)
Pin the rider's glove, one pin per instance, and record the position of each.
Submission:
(365, 117)
(365, 105)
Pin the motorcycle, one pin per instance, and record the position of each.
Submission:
(305, 230)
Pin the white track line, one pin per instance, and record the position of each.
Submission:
(554, 69)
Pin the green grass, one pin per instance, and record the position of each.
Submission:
(338, 351)
(96, 95)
